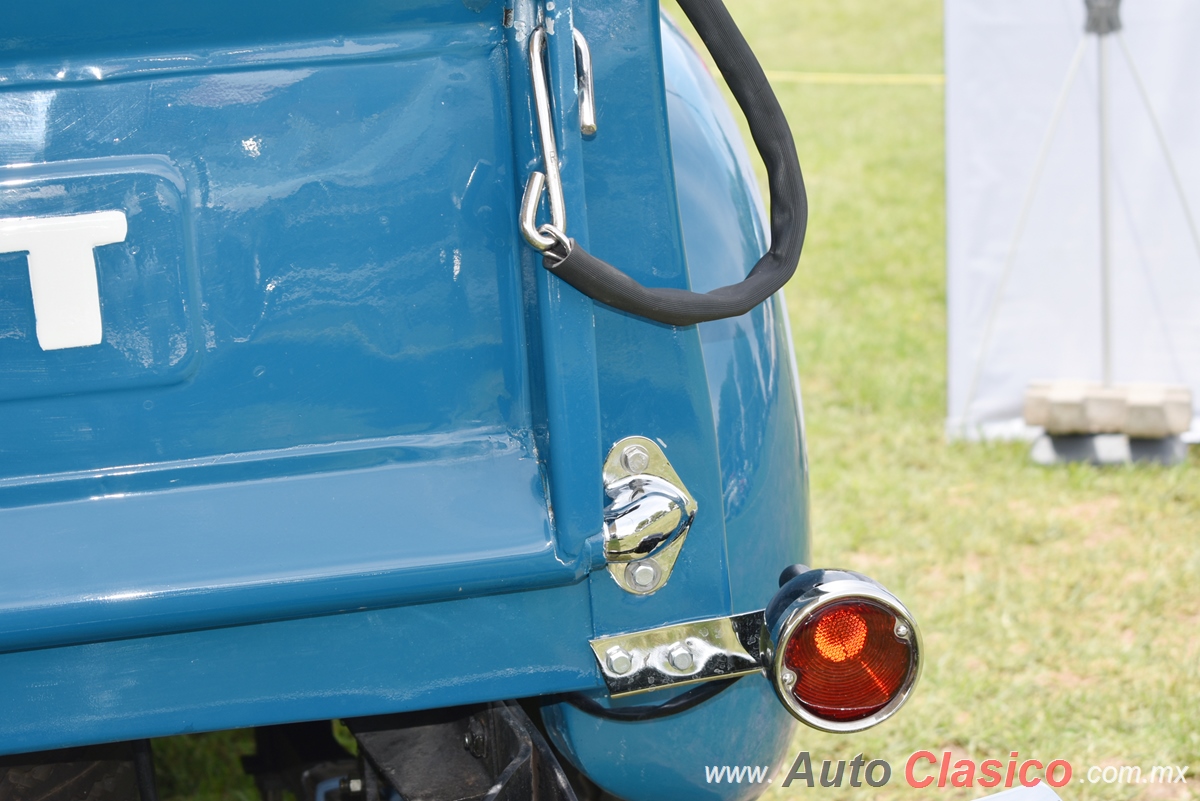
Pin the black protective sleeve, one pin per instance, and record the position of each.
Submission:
(789, 203)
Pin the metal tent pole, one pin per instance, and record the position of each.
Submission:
(1104, 19)
(1105, 223)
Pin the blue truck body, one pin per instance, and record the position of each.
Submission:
(339, 451)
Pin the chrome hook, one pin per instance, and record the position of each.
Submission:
(550, 180)
(545, 237)
(587, 92)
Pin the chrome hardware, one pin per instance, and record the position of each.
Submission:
(680, 657)
(549, 181)
(529, 208)
(685, 653)
(643, 575)
(648, 518)
(647, 514)
(619, 661)
(587, 94)
(635, 458)
(546, 236)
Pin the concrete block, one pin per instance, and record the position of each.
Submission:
(1104, 410)
(1156, 411)
(1107, 449)
(1059, 406)
(1141, 411)
(1037, 404)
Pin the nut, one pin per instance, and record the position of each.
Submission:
(680, 657)
(619, 660)
(635, 458)
(643, 575)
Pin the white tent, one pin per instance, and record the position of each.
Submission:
(1025, 300)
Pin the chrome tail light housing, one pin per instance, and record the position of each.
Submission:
(842, 652)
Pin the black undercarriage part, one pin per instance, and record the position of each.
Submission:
(112, 772)
(475, 753)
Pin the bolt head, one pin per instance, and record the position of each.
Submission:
(635, 458)
(643, 575)
(681, 657)
(619, 661)
(902, 629)
(788, 678)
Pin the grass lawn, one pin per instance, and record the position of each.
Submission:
(1060, 608)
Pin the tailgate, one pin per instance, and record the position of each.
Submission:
(310, 390)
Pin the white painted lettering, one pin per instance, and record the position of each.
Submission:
(62, 272)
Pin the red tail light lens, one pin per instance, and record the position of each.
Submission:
(842, 652)
(850, 658)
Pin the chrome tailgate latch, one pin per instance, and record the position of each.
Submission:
(647, 518)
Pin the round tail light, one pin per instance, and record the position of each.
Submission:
(842, 651)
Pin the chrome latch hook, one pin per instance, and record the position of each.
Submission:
(548, 235)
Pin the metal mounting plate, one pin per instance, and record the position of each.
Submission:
(682, 653)
(647, 459)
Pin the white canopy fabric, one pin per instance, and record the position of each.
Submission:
(1025, 298)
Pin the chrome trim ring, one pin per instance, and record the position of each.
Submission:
(805, 607)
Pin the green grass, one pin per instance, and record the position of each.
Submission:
(204, 767)
(1060, 608)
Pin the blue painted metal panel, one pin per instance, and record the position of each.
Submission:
(560, 324)
(648, 371)
(665, 759)
(62, 39)
(415, 530)
(312, 393)
(354, 258)
(355, 427)
(413, 657)
(762, 490)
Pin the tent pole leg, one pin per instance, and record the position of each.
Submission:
(1022, 218)
(1162, 143)
(1105, 221)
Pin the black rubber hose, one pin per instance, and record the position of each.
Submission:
(680, 703)
(789, 204)
(143, 768)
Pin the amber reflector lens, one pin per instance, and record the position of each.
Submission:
(848, 660)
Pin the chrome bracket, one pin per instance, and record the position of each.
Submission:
(683, 653)
(648, 516)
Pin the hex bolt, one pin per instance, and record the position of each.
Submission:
(643, 575)
(680, 657)
(635, 458)
(619, 660)
(475, 738)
